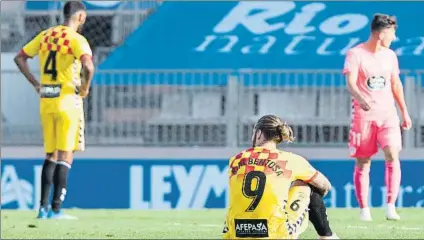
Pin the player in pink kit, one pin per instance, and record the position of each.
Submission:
(372, 73)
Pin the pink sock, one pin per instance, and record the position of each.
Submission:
(361, 179)
(392, 180)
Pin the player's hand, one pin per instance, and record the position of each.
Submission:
(327, 187)
(407, 122)
(365, 105)
(37, 88)
(83, 92)
(325, 191)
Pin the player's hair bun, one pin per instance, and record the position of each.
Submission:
(274, 129)
(286, 133)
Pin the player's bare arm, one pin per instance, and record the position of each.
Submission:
(399, 96)
(321, 182)
(21, 60)
(87, 74)
(352, 78)
(315, 178)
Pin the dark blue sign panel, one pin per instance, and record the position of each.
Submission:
(182, 184)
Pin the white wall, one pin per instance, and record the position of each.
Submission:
(11, 6)
(189, 153)
(19, 101)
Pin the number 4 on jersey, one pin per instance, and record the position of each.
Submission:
(50, 65)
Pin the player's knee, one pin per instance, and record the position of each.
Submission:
(301, 186)
(66, 156)
(391, 154)
(363, 162)
(52, 156)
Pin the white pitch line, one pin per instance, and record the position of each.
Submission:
(357, 227)
(203, 225)
(387, 227)
(210, 225)
(412, 228)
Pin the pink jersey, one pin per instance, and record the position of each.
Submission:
(375, 72)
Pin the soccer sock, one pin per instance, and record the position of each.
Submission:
(392, 180)
(46, 182)
(60, 182)
(361, 178)
(318, 214)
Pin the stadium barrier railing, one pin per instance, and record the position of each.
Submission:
(418, 102)
(212, 107)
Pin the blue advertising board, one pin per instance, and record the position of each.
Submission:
(264, 34)
(181, 184)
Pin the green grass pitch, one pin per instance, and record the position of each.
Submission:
(191, 224)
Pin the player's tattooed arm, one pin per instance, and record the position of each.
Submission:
(321, 182)
(87, 74)
(399, 96)
(352, 78)
(351, 71)
(21, 60)
(397, 90)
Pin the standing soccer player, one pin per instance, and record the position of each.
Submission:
(63, 52)
(372, 72)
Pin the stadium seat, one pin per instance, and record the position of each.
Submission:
(3, 118)
(175, 106)
(290, 105)
(185, 113)
(334, 106)
(207, 105)
(420, 104)
(190, 108)
(247, 105)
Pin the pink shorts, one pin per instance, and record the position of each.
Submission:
(366, 134)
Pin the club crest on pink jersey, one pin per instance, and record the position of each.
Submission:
(376, 83)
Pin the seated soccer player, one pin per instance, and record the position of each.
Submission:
(269, 194)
